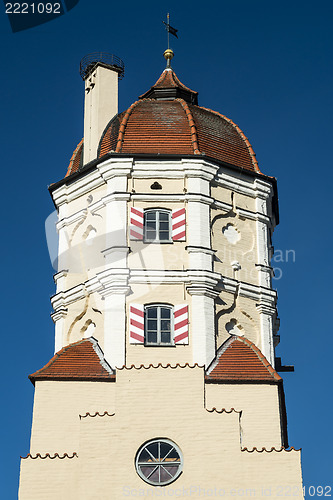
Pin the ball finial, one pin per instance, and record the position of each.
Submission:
(168, 54)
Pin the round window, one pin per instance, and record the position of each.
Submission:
(159, 462)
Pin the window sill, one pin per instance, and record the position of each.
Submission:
(159, 345)
(163, 242)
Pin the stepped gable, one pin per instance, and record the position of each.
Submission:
(239, 359)
(82, 360)
(166, 120)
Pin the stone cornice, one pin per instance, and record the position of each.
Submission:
(118, 281)
(116, 196)
(200, 289)
(176, 197)
(260, 294)
(109, 251)
(196, 249)
(61, 274)
(252, 187)
(188, 277)
(173, 197)
(263, 308)
(83, 185)
(59, 314)
(247, 214)
(67, 221)
(115, 167)
(176, 169)
(109, 281)
(93, 208)
(93, 179)
(118, 167)
(63, 299)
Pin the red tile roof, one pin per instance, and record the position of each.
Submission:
(239, 359)
(166, 120)
(75, 161)
(169, 80)
(175, 127)
(220, 138)
(82, 360)
(159, 127)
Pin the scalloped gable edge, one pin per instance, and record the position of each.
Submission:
(160, 365)
(278, 450)
(97, 414)
(47, 455)
(223, 410)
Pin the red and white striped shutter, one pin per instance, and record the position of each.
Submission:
(178, 224)
(181, 324)
(137, 324)
(136, 227)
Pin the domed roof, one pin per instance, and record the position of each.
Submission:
(166, 120)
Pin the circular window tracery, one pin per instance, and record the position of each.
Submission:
(159, 462)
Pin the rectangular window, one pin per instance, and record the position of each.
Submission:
(157, 226)
(158, 325)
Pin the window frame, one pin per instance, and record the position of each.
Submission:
(159, 462)
(159, 343)
(157, 239)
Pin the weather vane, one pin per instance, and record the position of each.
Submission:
(168, 54)
(170, 29)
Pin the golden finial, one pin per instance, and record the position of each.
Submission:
(168, 55)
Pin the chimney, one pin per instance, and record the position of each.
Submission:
(100, 73)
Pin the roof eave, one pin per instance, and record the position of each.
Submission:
(170, 94)
(63, 378)
(88, 167)
(223, 380)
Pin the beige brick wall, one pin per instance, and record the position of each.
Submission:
(259, 404)
(49, 479)
(157, 403)
(163, 403)
(57, 406)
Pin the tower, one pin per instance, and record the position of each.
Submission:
(163, 380)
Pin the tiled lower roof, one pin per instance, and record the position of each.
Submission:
(82, 360)
(239, 359)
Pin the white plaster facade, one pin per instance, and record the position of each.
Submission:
(202, 267)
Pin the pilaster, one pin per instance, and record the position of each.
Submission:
(266, 314)
(59, 326)
(114, 291)
(202, 324)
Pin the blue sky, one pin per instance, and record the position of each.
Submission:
(267, 66)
